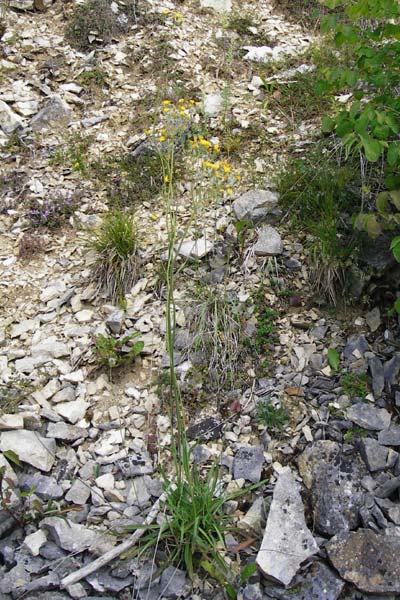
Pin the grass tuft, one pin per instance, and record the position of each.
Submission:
(117, 262)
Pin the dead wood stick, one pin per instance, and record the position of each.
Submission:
(115, 552)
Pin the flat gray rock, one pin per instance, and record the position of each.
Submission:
(248, 463)
(356, 346)
(138, 462)
(334, 479)
(63, 431)
(46, 487)
(369, 417)
(55, 112)
(368, 560)
(390, 436)
(30, 448)
(174, 583)
(320, 583)
(374, 455)
(253, 206)
(392, 368)
(377, 374)
(68, 535)
(287, 541)
(269, 242)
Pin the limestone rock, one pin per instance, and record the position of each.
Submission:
(255, 205)
(248, 463)
(220, 6)
(9, 120)
(320, 583)
(334, 479)
(68, 535)
(55, 112)
(369, 417)
(287, 541)
(368, 560)
(269, 242)
(30, 447)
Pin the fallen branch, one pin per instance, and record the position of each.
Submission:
(118, 550)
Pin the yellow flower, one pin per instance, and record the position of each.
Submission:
(166, 179)
(154, 217)
(229, 191)
(227, 168)
(166, 102)
(162, 138)
(205, 143)
(147, 131)
(165, 11)
(177, 16)
(216, 148)
(166, 109)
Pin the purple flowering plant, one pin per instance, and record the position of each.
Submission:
(52, 212)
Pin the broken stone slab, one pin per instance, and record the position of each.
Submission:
(269, 242)
(115, 321)
(320, 583)
(9, 483)
(34, 542)
(195, 248)
(255, 205)
(373, 319)
(374, 455)
(46, 487)
(334, 478)
(68, 535)
(30, 448)
(72, 411)
(207, 430)
(369, 417)
(368, 560)
(213, 104)
(391, 369)
(9, 120)
(248, 463)
(11, 421)
(78, 493)
(390, 436)
(174, 583)
(377, 374)
(356, 346)
(220, 6)
(138, 462)
(287, 541)
(65, 432)
(56, 112)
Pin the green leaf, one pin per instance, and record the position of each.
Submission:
(12, 457)
(395, 247)
(397, 306)
(372, 148)
(395, 198)
(328, 124)
(247, 572)
(333, 359)
(393, 154)
(382, 202)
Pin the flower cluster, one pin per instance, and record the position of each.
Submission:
(219, 170)
(51, 213)
(177, 17)
(175, 116)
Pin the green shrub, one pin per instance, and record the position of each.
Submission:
(113, 352)
(97, 16)
(268, 415)
(117, 260)
(369, 125)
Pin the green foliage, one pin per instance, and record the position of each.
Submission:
(74, 153)
(369, 124)
(333, 359)
(113, 352)
(93, 77)
(355, 432)
(354, 384)
(268, 415)
(117, 260)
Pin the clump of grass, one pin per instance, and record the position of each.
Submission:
(216, 327)
(73, 153)
(96, 18)
(93, 77)
(30, 245)
(117, 262)
(354, 384)
(269, 415)
(191, 535)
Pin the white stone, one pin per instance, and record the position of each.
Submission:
(287, 541)
(11, 421)
(50, 346)
(9, 120)
(72, 411)
(30, 447)
(269, 242)
(195, 248)
(21, 328)
(84, 316)
(213, 104)
(106, 481)
(35, 541)
(74, 376)
(220, 6)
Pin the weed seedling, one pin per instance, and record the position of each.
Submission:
(354, 384)
(268, 415)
